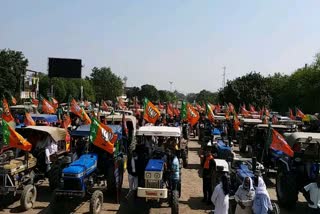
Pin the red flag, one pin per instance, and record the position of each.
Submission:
(292, 117)
(47, 108)
(300, 114)
(6, 114)
(280, 144)
(28, 121)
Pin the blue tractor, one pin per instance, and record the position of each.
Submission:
(94, 171)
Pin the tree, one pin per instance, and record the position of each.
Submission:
(106, 84)
(133, 92)
(150, 92)
(166, 96)
(179, 95)
(13, 66)
(191, 97)
(206, 96)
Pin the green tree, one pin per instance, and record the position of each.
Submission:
(13, 66)
(166, 96)
(191, 97)
(133, 92)
(206, 96)
(150, 92)
(106, 84)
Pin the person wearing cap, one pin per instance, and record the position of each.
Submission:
(206, 174)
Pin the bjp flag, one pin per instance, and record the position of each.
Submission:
(102, 136)
(300, 114)
(170, 110)
(13, 138)
(280, 144)
(6, 114)
(292, 117)
(13, 100)
(151, 113)
(244, 111)
(192, 115)
(47, 108)
(80, 112)
(28, 121)
(210, 112)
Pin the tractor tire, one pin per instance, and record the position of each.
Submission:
(96, 202)
(175, 202)
(242, 145)
(28, 197)
(286, 188)
(111, 181)
(54, 176)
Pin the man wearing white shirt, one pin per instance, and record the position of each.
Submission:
(313, 198)
(50, 149)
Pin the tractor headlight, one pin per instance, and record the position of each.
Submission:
(157, 175)
(148, 175)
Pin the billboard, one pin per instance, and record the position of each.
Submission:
(63, 67)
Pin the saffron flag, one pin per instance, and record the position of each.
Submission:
(244, 111)
(54, 102)
(6, 114)
(80, 112)
(300, 114)
(13, 138)
(28, 121)
(252, 108)
(102, 136)
(47, 108)
(292, 117)
(210, 113)
(170, 110)
(176, 111)
(231, 108)
(160, 106)
(280, 144)
(35, 102)
(192, 115)
(66, 121)
(13, 100)
(104, 105)
(151, 113)
(236, 122)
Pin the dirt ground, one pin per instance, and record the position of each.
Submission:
(190, 200)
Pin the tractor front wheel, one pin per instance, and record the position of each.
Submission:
(96, 202)
(28, 197)
(175, 202)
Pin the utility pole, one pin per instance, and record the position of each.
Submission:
(224, 77)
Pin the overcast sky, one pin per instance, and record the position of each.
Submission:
(157, 41)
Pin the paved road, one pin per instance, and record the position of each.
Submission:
(190, 201)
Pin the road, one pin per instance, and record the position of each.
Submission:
(190, 200)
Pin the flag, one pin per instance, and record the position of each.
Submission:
(192, 115)
(6, 114)
(176, 111)
(121, 103)
(183, 112)
(170, 110)
(86, 104)
(35, 102)
(13, 100)
(66, 121)
(151, 113)
(28, 121)
(210, 113)
(244, 111)
(13, 138)
(104, 105)
(54, 102)
(47, 108)
(80, 112)
(280, 144)
(160, 106)
(252, 108)
(231, 108)
(267, 112)
(218, 108)
(292, 117)
(300, 114)
(275, 119)
(236, 122)
(102, 136)
(199, 108)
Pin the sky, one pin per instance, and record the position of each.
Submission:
(153, 42)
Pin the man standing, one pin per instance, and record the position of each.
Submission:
(312, 194)
(206, 175)
(50, 149)
(132, 174)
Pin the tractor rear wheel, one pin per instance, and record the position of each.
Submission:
(175, 202)
(54, 176)
(28, 197)
(286, 187)
(96, 202)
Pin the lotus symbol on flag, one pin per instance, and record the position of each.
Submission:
(107, 136)
(151, 112)
(192, 113)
